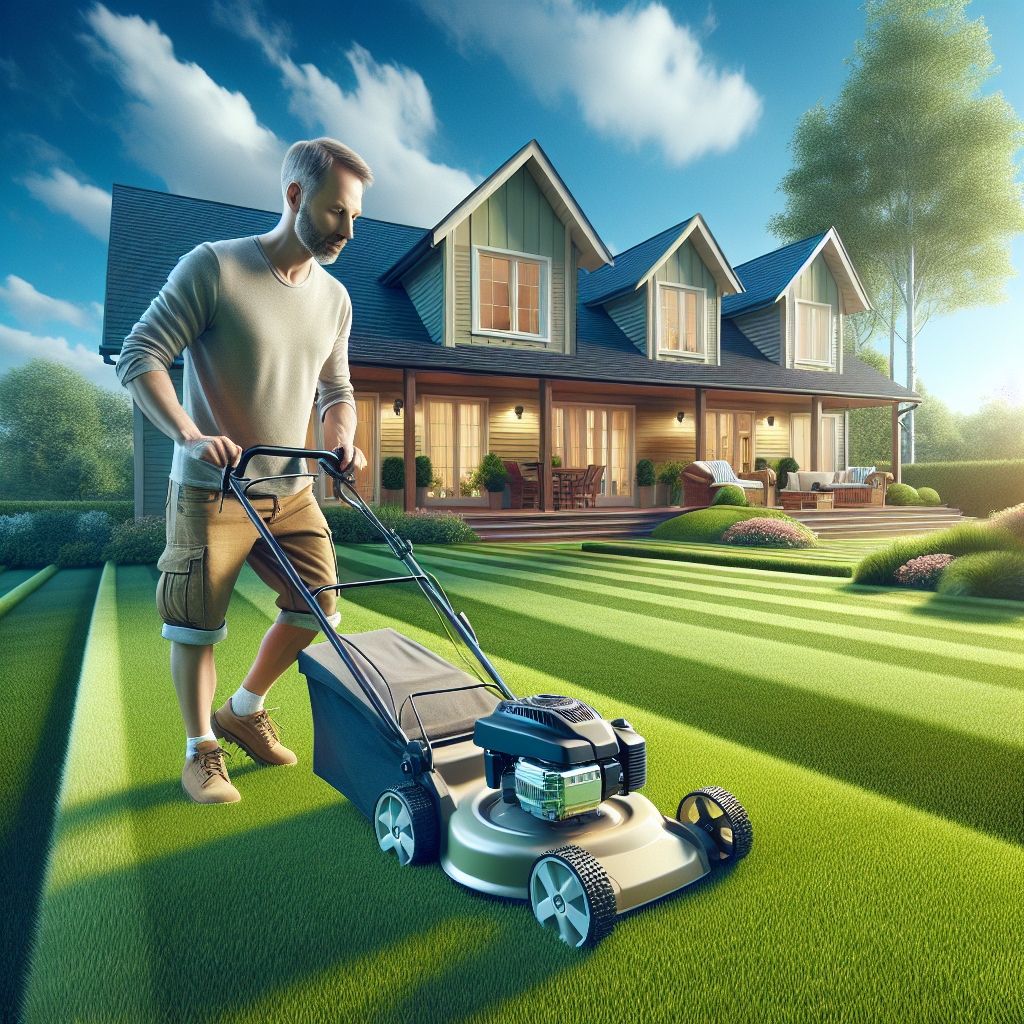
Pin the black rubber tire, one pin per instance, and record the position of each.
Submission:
(424, 826)
(596, 887)
(742, 830)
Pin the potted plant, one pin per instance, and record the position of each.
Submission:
(424, 478)
(670, 487)
(493, 475)
(392, 480)
(787, 465)
(645, 482)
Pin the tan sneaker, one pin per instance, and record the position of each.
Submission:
(255, 734)
(204, 777)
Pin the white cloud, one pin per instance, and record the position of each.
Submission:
(62, 193)
(33, 307)
(22, 345)
(388, 119)
(198, 137)
(637, 75)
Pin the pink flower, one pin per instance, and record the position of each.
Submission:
(922, 573)
(769, 533)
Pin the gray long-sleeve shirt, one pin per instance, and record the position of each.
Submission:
(256, 350)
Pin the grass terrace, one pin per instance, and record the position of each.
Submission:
(873, 735)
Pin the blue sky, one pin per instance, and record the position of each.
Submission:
(202, 99)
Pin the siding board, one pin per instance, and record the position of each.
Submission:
(514, 211)
(497, 231)
(764, 331)
(630, 315)
(425, 287)
(531, 214)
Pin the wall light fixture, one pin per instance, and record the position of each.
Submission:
(398, 406)
(519, 412)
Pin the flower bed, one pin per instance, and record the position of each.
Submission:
(922, 573)
(769, 533)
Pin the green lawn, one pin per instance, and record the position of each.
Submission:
(873, 736)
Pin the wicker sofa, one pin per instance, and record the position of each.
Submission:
(702, 479)
(857, 486)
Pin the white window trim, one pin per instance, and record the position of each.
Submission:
(701, 356)
(485, 419)
(797, 358)
(545, 295)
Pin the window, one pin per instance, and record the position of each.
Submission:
(813, 333)
(600, 436)
(455, 442)
(511, 294)
(681, 320)
(828, 441)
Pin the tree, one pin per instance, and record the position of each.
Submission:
(914, 167)
(61, 436)
(870, 440)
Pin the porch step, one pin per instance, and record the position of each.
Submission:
(579, 524)
(888, 521)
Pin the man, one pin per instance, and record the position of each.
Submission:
(262, 327)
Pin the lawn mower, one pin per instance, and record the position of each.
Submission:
(533, 798)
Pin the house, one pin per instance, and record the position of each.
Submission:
(664, 351)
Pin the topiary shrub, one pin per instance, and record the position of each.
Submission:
(922, 573)
(492, 474)
(786, 466)
(997, 574)
(424, 471)
(769, 533)
(901, 494)
(760, 463)
(706, 525)
(928, 496)
(137, 541)
(730, 494)
(392, 473)
(645, 476)
(1009, 519)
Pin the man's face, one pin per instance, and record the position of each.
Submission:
(325, 221)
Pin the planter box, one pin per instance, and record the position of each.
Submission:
(388, 497)
(421, 497)
(647, 496)
(495, 499)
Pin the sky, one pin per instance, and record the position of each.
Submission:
(650, 112)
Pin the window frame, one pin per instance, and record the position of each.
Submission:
(545, 264)
(807, 360)
(701, 354)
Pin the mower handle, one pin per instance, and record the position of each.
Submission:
(329, 460)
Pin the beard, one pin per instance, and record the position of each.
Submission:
(308, 234)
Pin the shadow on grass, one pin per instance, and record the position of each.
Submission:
(916, 763)
(60, 611)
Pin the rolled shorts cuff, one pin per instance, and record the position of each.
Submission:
(198, 637)
(306, 620)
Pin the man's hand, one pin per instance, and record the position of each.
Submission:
(218, 451)
(351, 458)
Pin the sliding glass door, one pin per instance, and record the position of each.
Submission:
(597, 435)
(730, 437)
(455, 442)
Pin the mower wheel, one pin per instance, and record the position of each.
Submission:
(720, 816)
(571, 894)
(404, 821)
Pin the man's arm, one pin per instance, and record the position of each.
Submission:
(340, 432)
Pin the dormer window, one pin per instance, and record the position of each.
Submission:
(681, 320)
(511, 294)
(813, 333)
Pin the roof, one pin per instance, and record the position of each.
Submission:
(150, 230)
(765, 278)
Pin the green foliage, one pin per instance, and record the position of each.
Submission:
(879, 568)
(137, 541)
(730, 495)
(61, 436)
(36, 539)
(424, 471)
(492, 474)
(760, 463)
(425, 527)
(928, 496)
(392, 473)
(706, 525)
(1010, 519)
(668, 474)
(645, 476)
(998, 574)
(902, 494)
(787, 465)
(976, 488)
(766, 532)
(556, 461)
(118, 511)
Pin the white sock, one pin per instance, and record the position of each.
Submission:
(192, 741)
(245, 703)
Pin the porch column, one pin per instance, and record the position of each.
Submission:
(815, 433)
(897, 457)
(701, 414)
(409, 437)
(547, 492)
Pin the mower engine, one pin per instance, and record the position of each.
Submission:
(557, 757)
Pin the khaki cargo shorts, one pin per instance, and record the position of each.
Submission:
(207, 542)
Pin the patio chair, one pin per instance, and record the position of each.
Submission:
(591, 487)
(702, 479)
(524, 490)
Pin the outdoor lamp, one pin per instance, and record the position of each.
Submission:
(398, 406)
(519, 412)
(679, 417)
(771, 421)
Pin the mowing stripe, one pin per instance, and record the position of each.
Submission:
(14, 597)
(116, 943)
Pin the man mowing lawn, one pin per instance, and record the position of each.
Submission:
(262, 328)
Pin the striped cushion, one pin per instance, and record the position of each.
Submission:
(858, 474)
(747, 485)
(722, 471)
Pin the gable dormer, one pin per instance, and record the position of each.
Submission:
(665, 293)
(500, 269)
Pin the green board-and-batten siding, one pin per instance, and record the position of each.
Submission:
(816, 284)
(630, 315)
(425, 287)
(684, 266)
(763, 329)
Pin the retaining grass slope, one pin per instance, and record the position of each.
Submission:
(874, 739)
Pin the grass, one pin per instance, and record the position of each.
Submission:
(873, 736)
(706, 525)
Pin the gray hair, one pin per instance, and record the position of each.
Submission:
(307, 164)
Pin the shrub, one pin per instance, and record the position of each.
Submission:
(928, 496)
(436, 527)
(119, 511)
(706, 525)
(425, 527)
(976, 488)
(986, 574)
(137, 541)
(787, 465)
(556, 461)
(392, 473)
(769, 533)
(36, 539)
(1011, 519)
(922, 573)
(730, 495)
(424, 471)
(760, 463)
(901, 494)
(669, 475)
(645, 473)
(879, 567)
(492, 474)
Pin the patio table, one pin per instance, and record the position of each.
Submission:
(566, 480)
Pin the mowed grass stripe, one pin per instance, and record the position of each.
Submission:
(770, 705)
(759, 595)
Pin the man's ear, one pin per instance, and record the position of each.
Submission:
(294, 195)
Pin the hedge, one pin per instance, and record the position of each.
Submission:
(119, 511)
(976, 488)
(426, 527)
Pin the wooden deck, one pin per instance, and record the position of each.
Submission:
(591, 524)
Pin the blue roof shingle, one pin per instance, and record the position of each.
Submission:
(766, 277)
